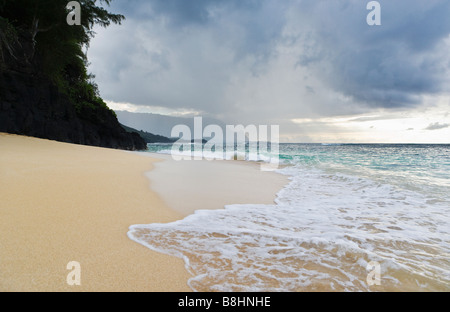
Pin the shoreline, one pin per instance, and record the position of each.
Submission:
(218, 183)
(63, 202)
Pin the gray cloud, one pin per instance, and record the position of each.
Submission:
(437, 126)
(391, 65)
(249, 26)
(273, 60)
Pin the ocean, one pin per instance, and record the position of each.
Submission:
(354, 217)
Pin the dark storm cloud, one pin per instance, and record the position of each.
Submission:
(260, 21)
(225, 56)
(390, 65)
(180, 12)
(184, 12)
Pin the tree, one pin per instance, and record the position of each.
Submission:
(36, 33)
(39, 51)
(47, 18)
(42, 27)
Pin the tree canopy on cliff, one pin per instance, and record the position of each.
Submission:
(44, 24)
(45, 88)
(36, 32)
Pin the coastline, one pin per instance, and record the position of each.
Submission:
(210, 185)
(63, 202)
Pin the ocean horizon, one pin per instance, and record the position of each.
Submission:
(348, 209)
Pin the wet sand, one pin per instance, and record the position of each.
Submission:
(63, 202)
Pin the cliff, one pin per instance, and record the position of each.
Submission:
(45, 90)
(30, 104)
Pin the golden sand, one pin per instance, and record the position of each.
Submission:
(62, 202)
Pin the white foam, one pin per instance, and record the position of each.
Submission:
(320, 235)
(226, 155)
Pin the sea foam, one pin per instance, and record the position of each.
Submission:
(321, 233)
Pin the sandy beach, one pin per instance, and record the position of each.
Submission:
(212, 184)
(62, 203)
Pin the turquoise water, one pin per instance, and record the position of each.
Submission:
(416, 167)
(346, 206)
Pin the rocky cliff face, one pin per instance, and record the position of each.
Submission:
(30, 104)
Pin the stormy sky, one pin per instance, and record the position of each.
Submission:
(314, 67)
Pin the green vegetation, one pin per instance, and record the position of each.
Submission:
(35, 33)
